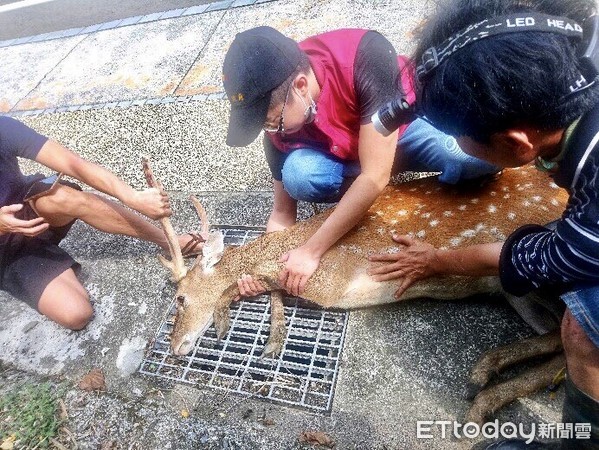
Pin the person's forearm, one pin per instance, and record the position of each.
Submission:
(476, 260)
(350, 210)
(104, 181)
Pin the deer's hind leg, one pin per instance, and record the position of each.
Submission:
(278, 331)
(527, 383)
(493, 361)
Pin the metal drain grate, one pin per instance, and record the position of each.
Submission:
(305, 373)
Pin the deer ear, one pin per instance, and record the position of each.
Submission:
(213, 249)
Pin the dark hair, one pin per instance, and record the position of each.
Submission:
(505, 80)
(278, 94)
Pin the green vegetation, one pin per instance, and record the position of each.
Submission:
(29, 413)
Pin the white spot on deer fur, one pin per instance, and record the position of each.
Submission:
(492, 209)
(474, 201)
(493, 193)
(497, 234)
(393, 222)
(468, 233)
(480, 227)
(426, 215)
(511, 216)
(380, 213)
(402, 212)
(552, 185)
(434, 223)
(448, 214)
(536, 198)
(428, 192)
(462, 207)
(526, 203)
(421, 234)
(455, 241)
(554, 202)
(506, 196)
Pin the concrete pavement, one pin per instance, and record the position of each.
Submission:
(151, 85)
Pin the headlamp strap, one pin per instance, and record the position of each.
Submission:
(512, 23)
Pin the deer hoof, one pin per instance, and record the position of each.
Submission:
(272, 349)
(472, 390)
(221, 324)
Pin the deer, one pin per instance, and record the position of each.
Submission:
(446, 216)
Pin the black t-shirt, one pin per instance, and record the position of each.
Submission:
(376, 82)
(16, 140)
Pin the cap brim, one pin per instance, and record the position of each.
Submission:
(246, 123)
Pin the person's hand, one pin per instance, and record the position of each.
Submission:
(412, 263)
(248, 287)
(300, 264)
(151, 202)
(10, 224)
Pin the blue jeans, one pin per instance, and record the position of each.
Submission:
(583, 303)
(315, 176)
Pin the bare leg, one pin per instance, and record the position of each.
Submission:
(67, 204)
(66, 302)
(582, 356)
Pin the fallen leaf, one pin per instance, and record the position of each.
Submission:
(8, 443)
(93, 381)
(316, 438)
(184, 413)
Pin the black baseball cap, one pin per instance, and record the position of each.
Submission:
(258, 61)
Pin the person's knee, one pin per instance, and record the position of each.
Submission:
(78, 318)
(577, 345)
(63, 201)
(308, 177)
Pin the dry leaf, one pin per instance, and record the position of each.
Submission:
(316, 438)
(8, 443)
(93, 381)
(184, 413)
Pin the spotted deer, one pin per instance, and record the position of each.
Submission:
(445, 216)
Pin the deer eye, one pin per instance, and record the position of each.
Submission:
(180, 301)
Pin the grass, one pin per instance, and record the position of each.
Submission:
(30, 414)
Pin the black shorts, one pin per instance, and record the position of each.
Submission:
(29, 264)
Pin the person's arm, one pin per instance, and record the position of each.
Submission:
(419, 260)
(376, 154)
(149, 202)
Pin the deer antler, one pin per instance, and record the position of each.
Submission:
(202, 216)
(176, 265)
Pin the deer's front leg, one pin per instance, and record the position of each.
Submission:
(278, 331)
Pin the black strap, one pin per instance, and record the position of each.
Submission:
(512, 23)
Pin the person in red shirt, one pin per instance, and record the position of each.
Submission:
(315, 100)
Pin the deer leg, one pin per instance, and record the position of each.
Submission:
(278, 331)
(529, 382)
(221, 320)
(493, 361)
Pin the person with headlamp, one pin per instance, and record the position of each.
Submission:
(314, 100)
(517, 82)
